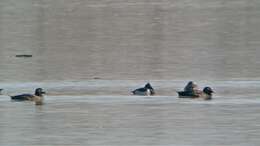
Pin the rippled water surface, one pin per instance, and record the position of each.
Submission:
(88, 55)
(71, 116)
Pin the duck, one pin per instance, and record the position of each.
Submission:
(147, 90)
(37, 97)
(205, 94)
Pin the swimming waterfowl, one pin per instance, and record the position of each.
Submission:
(37, 97)
(1, 91)
(206, 94)
(147, 90)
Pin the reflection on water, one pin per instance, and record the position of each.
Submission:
(77, 113)
(165, 121)
(125, 44)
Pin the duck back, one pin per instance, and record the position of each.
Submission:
(185, 94)
(22, 97)
(140, 91)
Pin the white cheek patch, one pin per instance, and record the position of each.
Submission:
(148, 92)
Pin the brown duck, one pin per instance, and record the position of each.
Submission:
(206, 94)
(37, 97)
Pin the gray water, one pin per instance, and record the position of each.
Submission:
(88, 55)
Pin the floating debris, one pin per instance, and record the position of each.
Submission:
(96, 78)
(23, 55)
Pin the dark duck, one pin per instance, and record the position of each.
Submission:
(147, 90)
(37, 97)
(191, 91)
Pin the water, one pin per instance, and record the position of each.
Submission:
(75, 113)
(88, 55)
(81, 40)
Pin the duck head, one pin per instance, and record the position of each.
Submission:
(208, 90)
(190, 83)
(39, 92)
(149, 86)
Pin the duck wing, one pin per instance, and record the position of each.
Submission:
(22, 97)
(185, 94)
(140, 90)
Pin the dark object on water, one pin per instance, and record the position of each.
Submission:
(96, 78)
(146, 90)
(185, 94)
(37, 97)
(206, 94)
(23, 55)
(22, 97)
(189, 86)
(1, 91)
